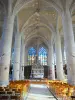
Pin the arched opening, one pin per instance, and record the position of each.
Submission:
(42, 56)
(39, 56)
(31, 55)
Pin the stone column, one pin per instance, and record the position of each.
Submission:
(59, 62)
(16, 64)
(51, 63)
(26, 56)
(22, 59)
(69, 45)
(62, 49)
(5, 50)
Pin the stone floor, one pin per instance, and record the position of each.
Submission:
(39, 92)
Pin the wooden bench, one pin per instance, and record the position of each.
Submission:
(15, 98)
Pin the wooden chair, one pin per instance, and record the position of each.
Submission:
(17, 93)
(9, 93)
(2, 92)
(13, 89)
(6, 89)
(14, 97)
(2, 89)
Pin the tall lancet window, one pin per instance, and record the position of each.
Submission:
(31, 56)
(42, 56)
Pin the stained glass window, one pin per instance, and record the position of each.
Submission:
(31, 55)
(42, 56)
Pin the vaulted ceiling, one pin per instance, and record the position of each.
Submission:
(38, 18)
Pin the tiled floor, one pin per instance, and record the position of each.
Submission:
(39, 92)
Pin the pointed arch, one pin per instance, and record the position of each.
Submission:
(20, 4)
(42, 56)
(31, 55)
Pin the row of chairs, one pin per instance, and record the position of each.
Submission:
(14, 90)
(5, 97)
(7, 93)
(61, 89)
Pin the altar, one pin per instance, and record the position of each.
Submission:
(37, 71)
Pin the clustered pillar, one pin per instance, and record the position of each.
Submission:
(16, 65)
(69, 45)
(6, 43)
(22, 60)
(51, 63)
(5, 53)
(26, 53)
(59, 62)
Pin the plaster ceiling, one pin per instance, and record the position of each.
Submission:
(36, 18)
(38, 42)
